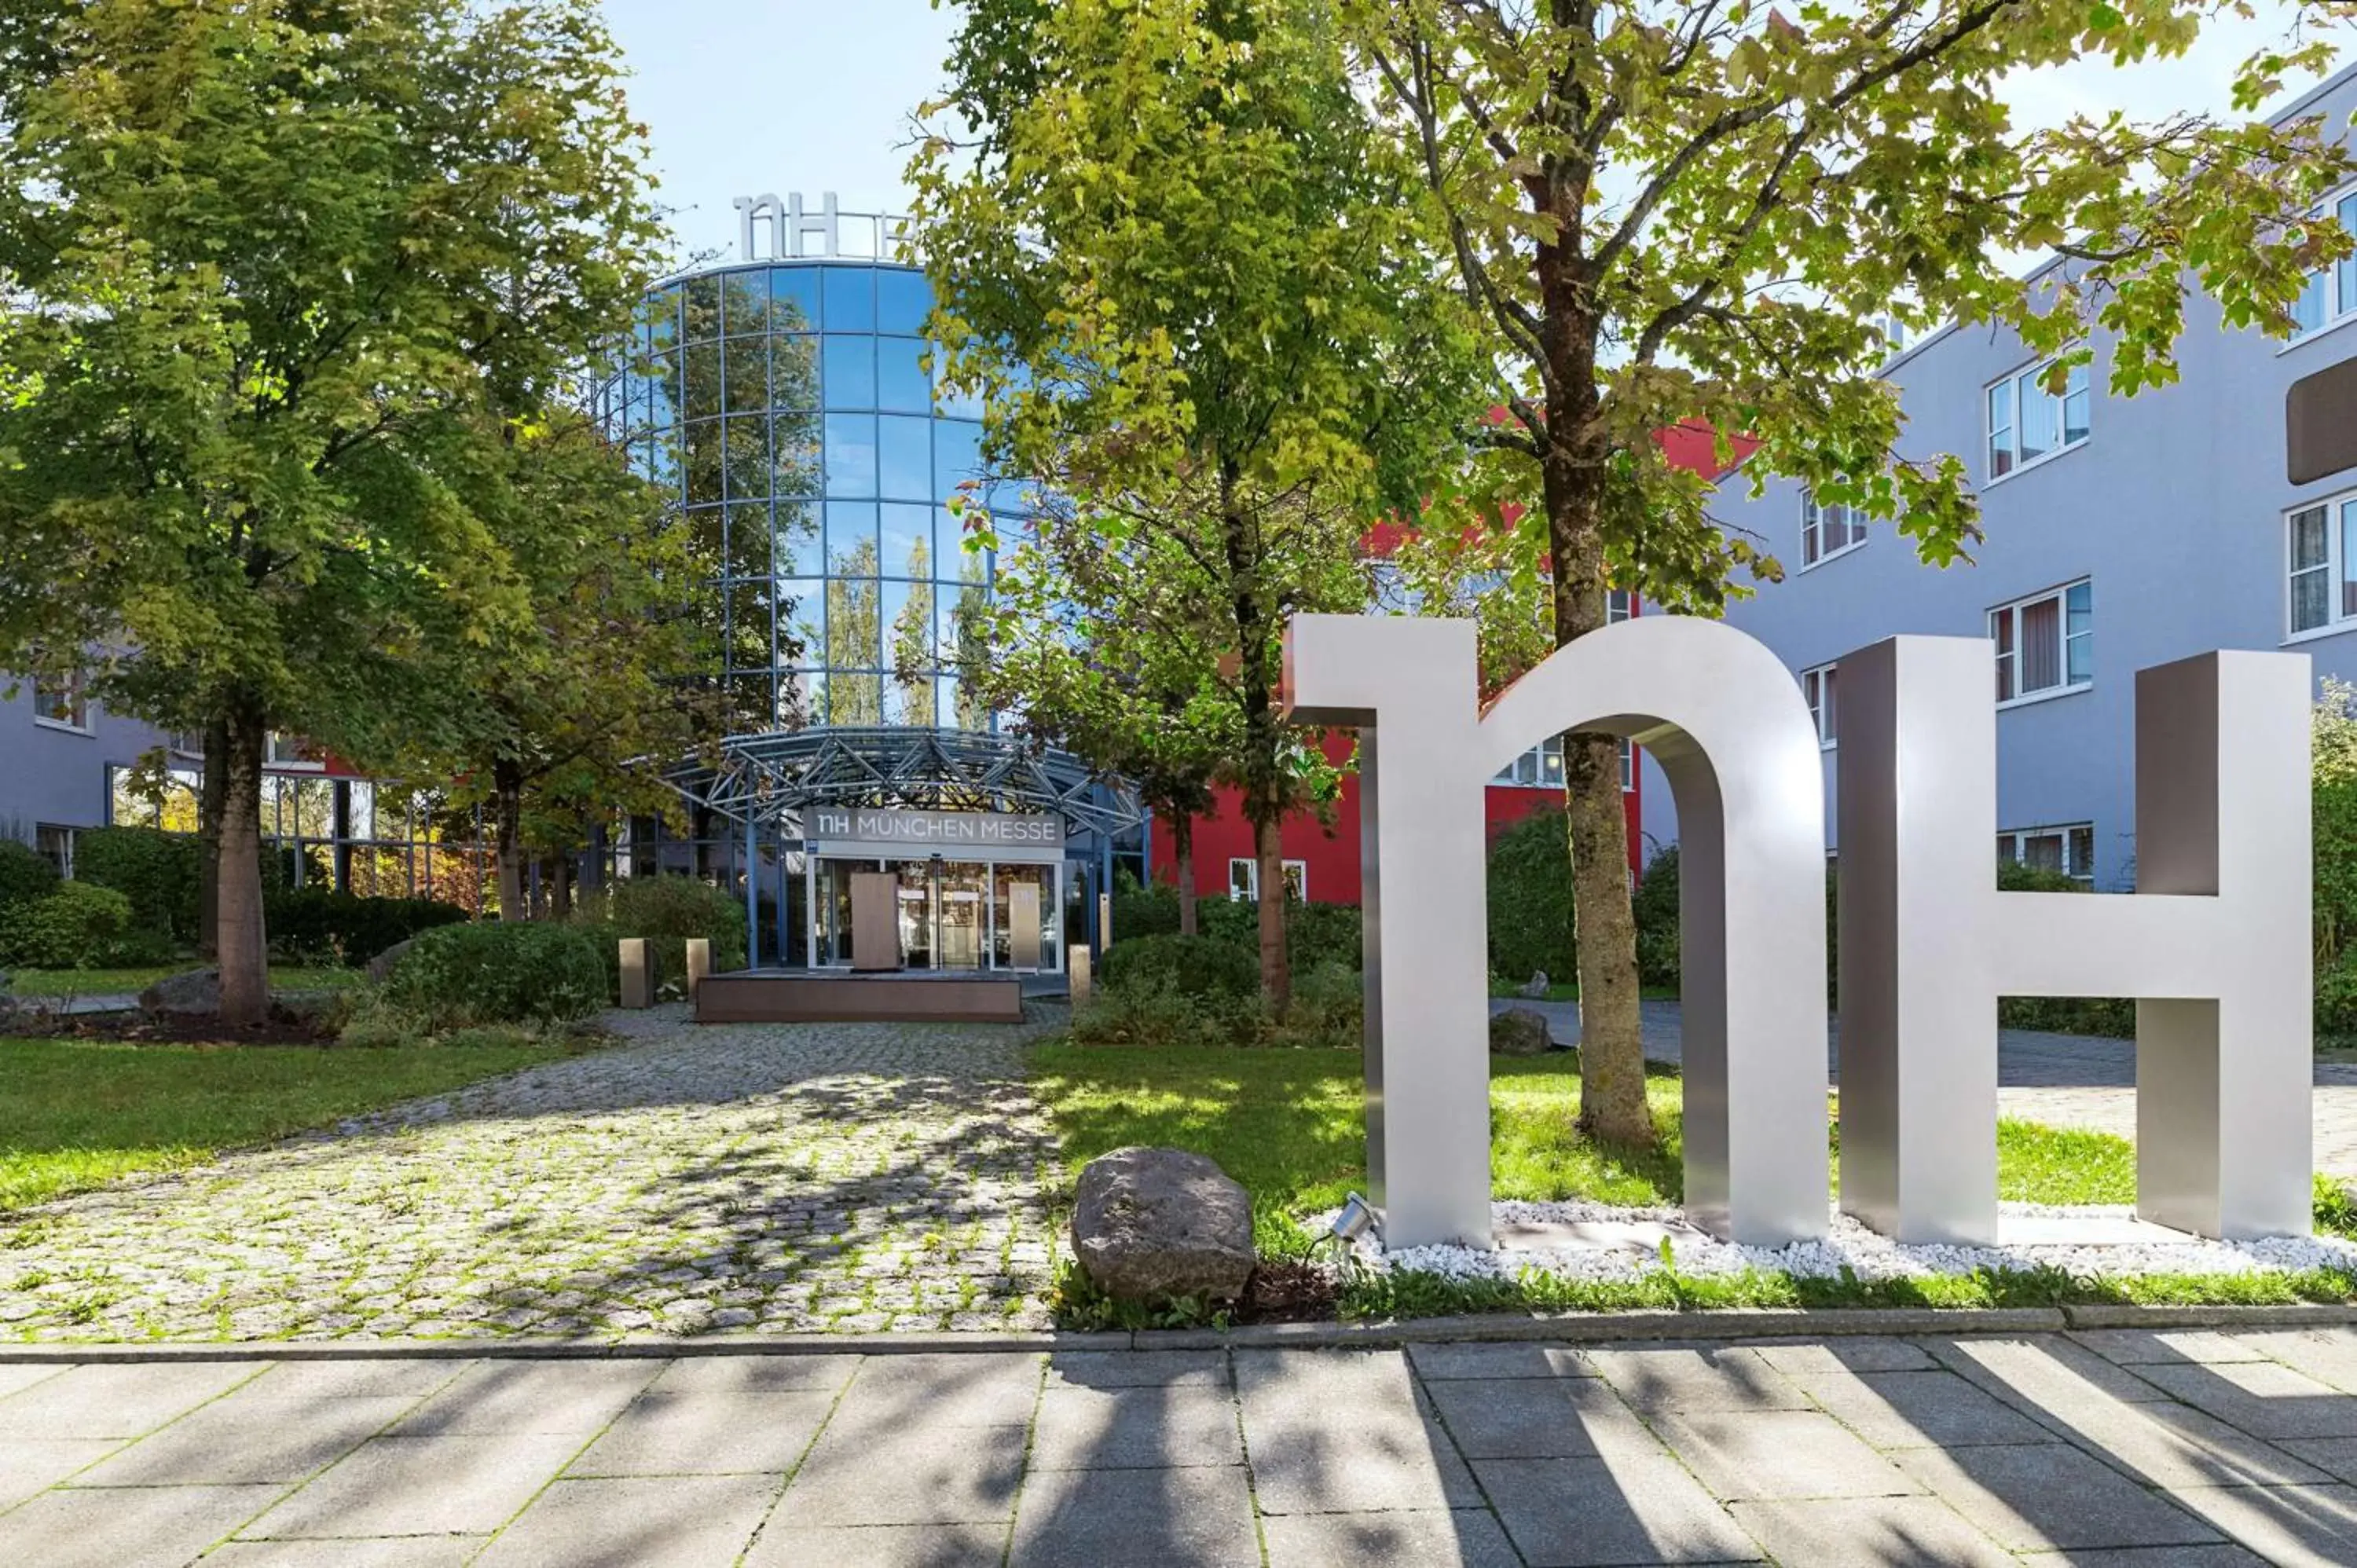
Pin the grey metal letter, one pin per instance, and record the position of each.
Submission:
(1729, 727)
(2214, 945)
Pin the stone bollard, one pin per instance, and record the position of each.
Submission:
(1078, 975)
(699, 963)
(638, 981)
(1105, 919)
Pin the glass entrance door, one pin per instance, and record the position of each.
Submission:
(1012, 945)
(916, 908)
(963, 916)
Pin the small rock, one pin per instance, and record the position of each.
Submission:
(194, 990)
(381, 965)
(1152, 1224)
(1535, 988)
(1520, 1032)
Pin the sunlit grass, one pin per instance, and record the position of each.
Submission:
(120, 982)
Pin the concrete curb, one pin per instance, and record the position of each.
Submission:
(1740, 1324)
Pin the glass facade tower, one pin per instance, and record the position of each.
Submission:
(789, 404)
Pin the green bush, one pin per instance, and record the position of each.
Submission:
(1148, 911)
(1159, 1013)
(160, 873)
(1190, 966)
(1530, 900)
(78, 926)
(319, 925)
(26, 874)
(1329, 1008)
(667, 911)
(457, 977)
(1315, 934)
(1656, 905)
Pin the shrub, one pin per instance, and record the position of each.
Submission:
(1656, 905)
(1149, 911)
(160, 873)
(667, 911)
(26, 874)
(1190, 966)
(1159, 1013)
(320, 925)
(456, 977)
(1529, 898)
(1329, 1008)
(78, 926)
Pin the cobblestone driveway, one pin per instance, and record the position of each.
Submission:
(761, 1179)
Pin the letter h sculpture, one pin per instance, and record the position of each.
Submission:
(2215, 943)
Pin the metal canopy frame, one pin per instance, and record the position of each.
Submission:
(772, 778)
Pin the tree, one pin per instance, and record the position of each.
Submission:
(572, 701)
(1695, 210)
(1099, 651)
(1187, 284)
(277, 276)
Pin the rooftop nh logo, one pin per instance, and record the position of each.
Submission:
(793, 233)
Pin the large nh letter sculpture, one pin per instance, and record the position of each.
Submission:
(2215, 943)
(1726, 722)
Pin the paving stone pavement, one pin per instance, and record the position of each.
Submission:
(754, 1178)
(2122, 1447)
(2063, 1081)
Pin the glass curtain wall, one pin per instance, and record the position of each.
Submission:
(813, 458)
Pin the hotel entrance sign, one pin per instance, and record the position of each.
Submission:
(768, 230)
(842, 827)
(2215, 943)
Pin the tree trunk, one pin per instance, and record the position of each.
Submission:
(1611, 1042)
(240, 941)
(1182, 840)
(209, 796)
(507, 810)
(1275, 973)
(561, 898)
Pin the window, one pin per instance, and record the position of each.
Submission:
(286, 751)
(55, 845)
(2329, 296)
(1827, 530)
(2027, 423)
(1243, 879)
(2320, 553)
(1542, 767)
(62, 703)
(2045, 645)
(2069, 849)
(1817, 686)
(185, 742)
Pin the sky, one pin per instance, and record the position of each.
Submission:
(747, 97)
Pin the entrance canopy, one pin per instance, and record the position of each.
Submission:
(772, 778)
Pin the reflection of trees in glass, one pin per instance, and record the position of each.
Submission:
(854, 604)
(913, 655)
(973, 648)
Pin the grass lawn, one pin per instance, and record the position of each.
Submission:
(74, 1114)
(1289, 1126)
(116, 981)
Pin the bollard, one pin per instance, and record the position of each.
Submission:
(1079, 976)
(699, 963)
(637, 983)
(1104, 921)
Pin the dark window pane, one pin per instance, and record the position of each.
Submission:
(749, 647)
(746, 459)
(851, 455)
(905, 457)
(851, 537)
(908, 539)
(745, 304)
(794, 299)
(745, 364)
(850, 376)
(701, 396)
(850, 299)
(902, 300)
(901, 386)
(703, 309)
(2041, 645)
(748, 540)
(793, 373)
(703, 460)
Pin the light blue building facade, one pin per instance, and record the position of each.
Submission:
(2120, 532)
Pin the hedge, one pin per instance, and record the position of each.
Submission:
(26, 874)
(1315, 935)
(77, 926)
(667, 911)
(456, 977)
(319, 925)
(1192, 966)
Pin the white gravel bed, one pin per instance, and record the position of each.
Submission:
(1852, 1246)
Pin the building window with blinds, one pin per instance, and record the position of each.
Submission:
(2069, 848)
(2045, 644)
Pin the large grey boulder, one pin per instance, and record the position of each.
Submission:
(1520, 1032)
(1152, 1224)
(381, 965)
(192, 990)
(1535, 989)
